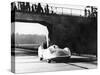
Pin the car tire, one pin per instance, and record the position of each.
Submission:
(49, 61)
(69, 57)
(41, 59)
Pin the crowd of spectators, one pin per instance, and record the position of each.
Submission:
(90, 11)
(27, 7)
(46, 9)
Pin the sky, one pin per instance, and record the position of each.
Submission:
(30, 28)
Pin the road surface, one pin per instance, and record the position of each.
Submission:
(29, 64)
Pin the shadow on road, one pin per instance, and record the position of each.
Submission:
(76, 60)
(26, 54)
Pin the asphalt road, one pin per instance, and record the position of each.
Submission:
(30, 63)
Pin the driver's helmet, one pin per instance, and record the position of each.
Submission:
(55, 46)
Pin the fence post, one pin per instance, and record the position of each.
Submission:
(71, 11)
(80, 12)
(62, 11)
(56, 10)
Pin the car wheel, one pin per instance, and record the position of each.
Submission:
(49, 61)
(68, 57)
(41, 59)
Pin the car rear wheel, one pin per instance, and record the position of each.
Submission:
(49, 61)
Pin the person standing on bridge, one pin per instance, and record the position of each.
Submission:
(52, 12)
(19, 6)
(33, 10)
(27, 7)
(13, 6)
(47, 9)
(22, 6)
(89, 13)
(95, 12)
(85, 11)
(39, 8)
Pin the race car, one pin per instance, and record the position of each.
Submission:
(53, 52)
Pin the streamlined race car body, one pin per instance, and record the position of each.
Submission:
(53, 52)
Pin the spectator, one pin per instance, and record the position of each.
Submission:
(85, 12)
(22, 6)
(52, 12)
(92, 9)
(88, 12)
(33, 8)
(13, 6)
(19, 6)
(47, 9)
(39, 8)
(28, 6)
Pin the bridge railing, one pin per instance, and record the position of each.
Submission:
(68, 11)
(46, 9)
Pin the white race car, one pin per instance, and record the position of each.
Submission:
(53, 52)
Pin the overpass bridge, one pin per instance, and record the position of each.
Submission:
(79, 33)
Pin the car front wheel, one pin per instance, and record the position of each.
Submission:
(69, 57)
(41, 59)
(49, 61)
